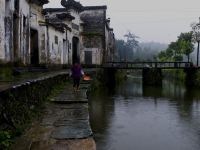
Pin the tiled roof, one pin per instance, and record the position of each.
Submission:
(71, 4)
(39, 2)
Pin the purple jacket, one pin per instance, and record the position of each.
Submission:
(76, 71)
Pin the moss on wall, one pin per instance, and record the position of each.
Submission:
(21, 103)
(6, 73)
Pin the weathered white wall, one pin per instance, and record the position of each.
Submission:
(69, 43)
(56, 49)
(9, 10)
(2, 33)
(75, 21)
(24, 29)
(66, 56)
(36, 23)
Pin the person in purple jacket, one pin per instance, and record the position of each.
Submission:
(76, 73)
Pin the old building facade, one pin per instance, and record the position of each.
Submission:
(32, 35)
(2, 33)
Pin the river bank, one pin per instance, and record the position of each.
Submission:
(26, 101)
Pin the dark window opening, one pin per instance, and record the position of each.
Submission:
(75, 46)
(16, 5)
(88, 57)
(34, 47)
(24, 21)
(56, 39)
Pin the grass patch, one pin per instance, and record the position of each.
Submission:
(57, 89)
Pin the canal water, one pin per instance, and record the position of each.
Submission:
(135, 117)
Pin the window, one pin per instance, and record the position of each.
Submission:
(70, 45)
(56, 39)
(24, 21)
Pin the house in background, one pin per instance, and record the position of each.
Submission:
(2, 32)
(21, 35)
(97, 36)
(70, 17)
(93, 35)
(33, 36)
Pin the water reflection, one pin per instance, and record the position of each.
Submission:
(139, 117)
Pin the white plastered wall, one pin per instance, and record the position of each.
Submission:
(56, 49)
(2, 33)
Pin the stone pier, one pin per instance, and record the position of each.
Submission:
(152, 76)
(191, 77)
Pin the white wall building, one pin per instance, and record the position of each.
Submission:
(2, 31)
(33, 36)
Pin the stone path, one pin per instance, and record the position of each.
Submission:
(65, 124)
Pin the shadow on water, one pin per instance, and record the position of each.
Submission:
(129, 115)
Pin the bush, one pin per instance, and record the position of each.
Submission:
(5, 139)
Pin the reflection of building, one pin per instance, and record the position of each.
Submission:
(32, 35)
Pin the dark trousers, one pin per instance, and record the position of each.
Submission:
(76, 82)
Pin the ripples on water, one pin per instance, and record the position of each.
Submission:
(133, 117)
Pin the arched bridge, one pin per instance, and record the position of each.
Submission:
(143, 65)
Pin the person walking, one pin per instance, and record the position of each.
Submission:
(76, 73)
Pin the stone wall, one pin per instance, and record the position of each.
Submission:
(152, 76)
(18, 103)
(94, 20)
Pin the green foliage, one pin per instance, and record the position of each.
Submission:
(24, 105)
(56, 90)
(6, 73)
(198, 79)
(175, 51)
(5, 139)
(175, 75)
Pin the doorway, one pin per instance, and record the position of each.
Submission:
(75, 50)
(64, 51)
(34, 47)
(88, 57)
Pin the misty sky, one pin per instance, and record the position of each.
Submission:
(151, 20)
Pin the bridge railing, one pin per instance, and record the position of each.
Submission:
(141, 65)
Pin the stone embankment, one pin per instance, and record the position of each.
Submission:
(65, 122)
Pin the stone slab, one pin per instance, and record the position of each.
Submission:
(78, 144)
(76, 129)
(68, 95)
(57, 112)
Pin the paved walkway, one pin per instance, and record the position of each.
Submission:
(65, 124)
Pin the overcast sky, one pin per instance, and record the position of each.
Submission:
(151, 20)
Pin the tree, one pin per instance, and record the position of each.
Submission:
(120, 46)
(196, 36)
(131, 45)
(186, 45)
(175, 50)
(187, 48)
